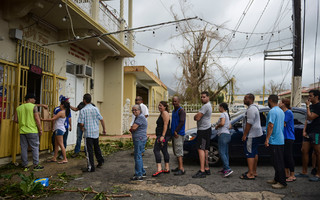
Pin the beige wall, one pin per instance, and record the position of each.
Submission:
(112, 106)
(156, 94)
(190, 123)
(129, 88)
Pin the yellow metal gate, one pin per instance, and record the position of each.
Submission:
(13, 88)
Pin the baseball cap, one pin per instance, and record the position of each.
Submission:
(63, 98)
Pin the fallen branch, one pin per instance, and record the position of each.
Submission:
(89, 192)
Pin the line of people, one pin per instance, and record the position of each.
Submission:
(279, 138)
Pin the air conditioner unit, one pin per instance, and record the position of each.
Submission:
(84, 71)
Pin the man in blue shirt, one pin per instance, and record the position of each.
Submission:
(178, 123)
(275, 142)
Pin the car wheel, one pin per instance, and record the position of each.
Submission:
(213, 155)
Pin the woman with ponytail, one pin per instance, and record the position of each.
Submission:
(59, 130)
(224, 138)
(163, 135)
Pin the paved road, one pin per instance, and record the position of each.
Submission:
(119, 167)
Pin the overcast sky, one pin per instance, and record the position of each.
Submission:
(245, 64)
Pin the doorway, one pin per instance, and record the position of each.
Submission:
(34, 85)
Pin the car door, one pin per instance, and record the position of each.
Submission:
(299, 120)
(262, 150)
(236, 144)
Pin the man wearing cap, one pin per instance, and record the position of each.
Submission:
(27, 116)
(67, 123)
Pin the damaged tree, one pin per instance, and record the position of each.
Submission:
(196, 57)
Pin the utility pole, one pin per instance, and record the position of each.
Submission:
(297, 65)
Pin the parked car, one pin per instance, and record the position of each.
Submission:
(237, 108)
(236, 149)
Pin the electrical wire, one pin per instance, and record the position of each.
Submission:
(121, 31)
(232, 69)
(71, 23)
(238, 24)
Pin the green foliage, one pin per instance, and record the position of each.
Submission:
(99, 196)
(28, 186)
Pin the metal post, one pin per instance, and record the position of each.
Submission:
(121, 21)
(297, 68)
(130, 36)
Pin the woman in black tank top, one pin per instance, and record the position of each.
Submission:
(163, 135)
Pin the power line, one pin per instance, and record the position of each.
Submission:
(239, 23)
(121, 31)
(250, 36)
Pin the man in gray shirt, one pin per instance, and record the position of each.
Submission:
(252, 133)
(203, 118)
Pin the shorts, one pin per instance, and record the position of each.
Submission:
(251, 147)
(58, 132)
(313, 138)
(177, 144)
(203, 140)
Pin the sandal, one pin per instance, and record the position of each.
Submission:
(245, 177)
(157, 173)
(247, 173)
(51, 161)
(63, 162)
(166, 171)
(290, 179)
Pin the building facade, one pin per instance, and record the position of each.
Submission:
(59, 47)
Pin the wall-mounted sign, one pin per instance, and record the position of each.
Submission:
(35, 69)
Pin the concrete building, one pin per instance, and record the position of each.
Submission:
(139, 81)
(50, 48)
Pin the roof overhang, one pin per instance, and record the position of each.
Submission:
(144, 76)
(50, 14)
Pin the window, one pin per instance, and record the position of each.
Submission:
(299, 118)
(32, 54)
(70, 68)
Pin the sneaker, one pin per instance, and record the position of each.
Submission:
(99, 165)
(143, 175)
(87, 170)
(314, 179)
(199, 174)
(25, 169)
(75, 155)
(175, 170)
(38, 168)
(179, 173)
(137, 178)
(278, 186)
(208, 172)
(228, 172)
(221, 171)
(272, 181)
(314, 171)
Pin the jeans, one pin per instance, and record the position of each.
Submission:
(79, 138)
(138, 149)
(224, 140)
(65, 137)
